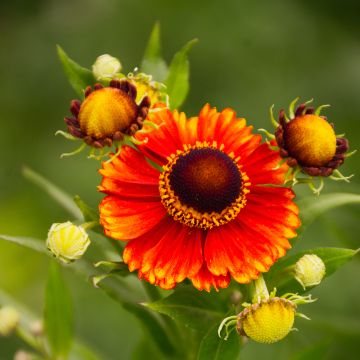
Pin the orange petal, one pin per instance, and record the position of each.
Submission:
(204, 280)
(124, 220)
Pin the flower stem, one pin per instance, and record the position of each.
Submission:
(259, 290)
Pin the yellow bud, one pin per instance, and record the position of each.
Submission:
(106, 66)
(9, 320)
(309, 270)
(311, 140)
(67, 241)
(268, 321)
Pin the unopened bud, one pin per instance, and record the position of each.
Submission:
(67, 241)
(9, 320)
(37, 328)
(309, 270)
(106, 66)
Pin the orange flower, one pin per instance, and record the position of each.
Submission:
(208, 214)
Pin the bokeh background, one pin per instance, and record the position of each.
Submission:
(250, 54)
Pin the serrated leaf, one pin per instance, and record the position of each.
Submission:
(58, 314)
(281, 276)
(194, 309)
(311, 207)
(60, 196)
(152, 63)
(214, 348)
(78, 76)
(177, 81)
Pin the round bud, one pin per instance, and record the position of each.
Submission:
(67, 241)
(309, 270)
(106, 66)
(9, 320)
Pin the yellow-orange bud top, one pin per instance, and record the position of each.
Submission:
(269, 321)
(106, 111)
(310, 139)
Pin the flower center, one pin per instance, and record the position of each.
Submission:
(106, 111)
(202, 186)
(311, 140)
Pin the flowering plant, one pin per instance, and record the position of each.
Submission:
(201, 208)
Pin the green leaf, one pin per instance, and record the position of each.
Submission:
(312, 207)
(150, 323)
(89, 214)
(152, 63)
(214, 348)
(281, 275)
(58, 315)
(60, 196)
(146, 349)
(177, 81)
(190, 307)
(78, 76)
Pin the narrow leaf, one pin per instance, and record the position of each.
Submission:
(152, 63)
(282, 277)
(78, 76)
(177, 81)
(196, 310)
(311, 207)
(60, 196)
(58, 314)
(88, 213)
(214, 348)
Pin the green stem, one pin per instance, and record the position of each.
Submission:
(259, 290)
(32, 342)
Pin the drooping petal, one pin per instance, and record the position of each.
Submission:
(262, 166)
(167, 257)
(126, 219)
(130, 176)
(205, 280)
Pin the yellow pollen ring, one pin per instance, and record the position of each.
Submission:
(188, 215)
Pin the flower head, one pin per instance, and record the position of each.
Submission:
(204, 212)
(67, 241)
(9, 320)
(309, 270)
(307, 143)
(268, 321)
(106, 66)
(108, 116)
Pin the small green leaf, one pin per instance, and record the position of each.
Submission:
(60, 196)
(312, 207)
(282, 277)
(177, 81)
(193, 309)
(152, 63)
(214, 348)
(89, 214)
(78, 76)
(58, 314)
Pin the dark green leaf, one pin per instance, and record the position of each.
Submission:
(152, 63)
(192, 308)
(177, 81)
(60, 196)
(312, 207)
(214, 348)
(281, 275)
(146, 349)
(78, 76)
(58, 316)
(151, 323)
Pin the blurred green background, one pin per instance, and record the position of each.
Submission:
(250, 54)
